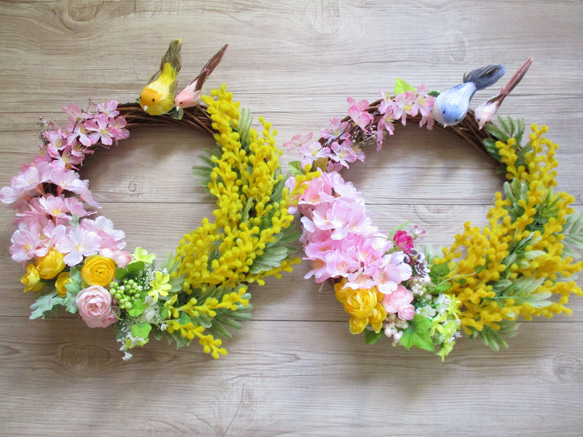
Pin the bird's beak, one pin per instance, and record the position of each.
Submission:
(146, 108)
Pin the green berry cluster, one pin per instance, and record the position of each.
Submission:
(126, 293)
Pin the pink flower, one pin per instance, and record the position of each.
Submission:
(394, 301)
(78, 243)
(77, 131)
(407, 312)
(29, 179)
(75, 113)
(336, 130)
(121, 257)
(26, 243)
(56, 139)
(358, 113)
(53, 206)
(317, 192)
(297, 141)
(403, 241)
(343, 153)
(404, 105)
(313, 152)
(94, 304)
(109, 108)
(389, 271)
(117, 128)
(99, 130)
(342, 217)
(103, 227)
(67, 180)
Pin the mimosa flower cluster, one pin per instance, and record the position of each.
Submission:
(76, 261)
(389, 287)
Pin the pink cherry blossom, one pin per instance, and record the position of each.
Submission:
(98, 130)
(297, 141)
(336, 130)
(53, 206)
(26, 243)
(343, 153)
(404, 105)
(77, 244)
(312, 152)
(109, 108)
(118, 130)
(358, 113)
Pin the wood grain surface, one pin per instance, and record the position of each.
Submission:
(295, 369)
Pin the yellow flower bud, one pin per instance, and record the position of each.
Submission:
(62, 280)
(98, 270)
(31, 280)
(51, 264)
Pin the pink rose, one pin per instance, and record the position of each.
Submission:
(94, 305)
(406, 312)
(397, 299)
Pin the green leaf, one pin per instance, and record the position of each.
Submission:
(417, 334)
(401, 87)
(271, 258)
(74, 221)
(46, 305)
(295, 168)
(245, 119)
(372, 337)
(133, 269)
(141, 330)
(441, 288)
(137, 309)
(184, 319)
(495, 339)
(439, 271)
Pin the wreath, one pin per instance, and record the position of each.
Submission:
(519, 265)
(77, 262)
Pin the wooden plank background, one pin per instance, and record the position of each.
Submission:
(295, 369)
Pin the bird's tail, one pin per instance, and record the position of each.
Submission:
(485, 76)
(209, 67)
(172, 55)
(514, 80)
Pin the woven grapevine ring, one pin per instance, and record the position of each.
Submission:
(518, 266)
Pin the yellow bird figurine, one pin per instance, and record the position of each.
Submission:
(157, 97)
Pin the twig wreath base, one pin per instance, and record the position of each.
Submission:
(77, 262)
(520, 265)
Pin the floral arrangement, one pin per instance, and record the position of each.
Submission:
(77, 261)
(518, 265)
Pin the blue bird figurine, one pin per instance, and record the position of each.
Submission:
(451, 106)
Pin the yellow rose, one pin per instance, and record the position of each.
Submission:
(98, 270)
(340, 291)
(51, 264)
(377, 317)
(31, 280)
(360, 303)
(357, 324)
(63, 279)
